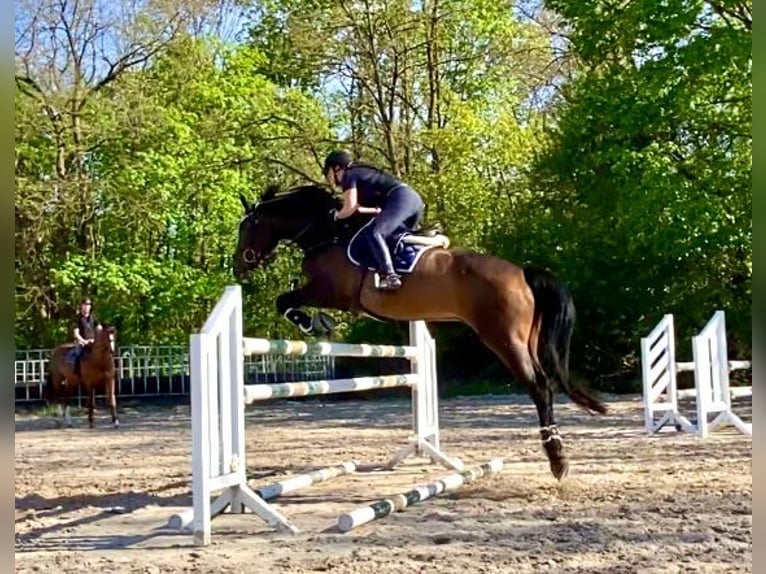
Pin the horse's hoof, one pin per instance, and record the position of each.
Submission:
(300, 319)
(323, 324)
(116, 424)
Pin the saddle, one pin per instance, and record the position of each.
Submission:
(406, 248)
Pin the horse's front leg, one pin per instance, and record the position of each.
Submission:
(310, 295)
(63, 405)
(91, 404)
(111, 395)
(62, 415)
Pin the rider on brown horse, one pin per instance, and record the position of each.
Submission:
(84, 331)
(93, 370)
(524, 314)
(367, 189)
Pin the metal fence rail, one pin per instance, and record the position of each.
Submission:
(163, 371)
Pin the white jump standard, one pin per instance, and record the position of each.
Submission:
(219, 396)
(711, 379)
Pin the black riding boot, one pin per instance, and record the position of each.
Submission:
(389, 280)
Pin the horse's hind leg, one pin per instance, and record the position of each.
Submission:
(513, 350)
(542, 394)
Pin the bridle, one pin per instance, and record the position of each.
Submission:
(250, 256)
(294, 240)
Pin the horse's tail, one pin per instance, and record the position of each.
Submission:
(555, 308)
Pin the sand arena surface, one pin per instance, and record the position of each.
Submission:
(98, 500)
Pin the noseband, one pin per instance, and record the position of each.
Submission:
(249, 256)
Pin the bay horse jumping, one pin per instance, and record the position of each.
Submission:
(524, 315)
(97, 372)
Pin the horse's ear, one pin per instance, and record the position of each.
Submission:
(270, 192)
(244, 202)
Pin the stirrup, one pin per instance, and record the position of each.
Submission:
(389, 282)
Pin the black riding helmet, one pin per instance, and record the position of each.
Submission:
(337, 158)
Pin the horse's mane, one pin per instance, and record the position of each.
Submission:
(297, 201)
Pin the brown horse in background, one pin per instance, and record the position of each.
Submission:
(524, 315)
(97, 373)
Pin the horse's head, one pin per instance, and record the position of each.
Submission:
(300, 215)
(106, 336)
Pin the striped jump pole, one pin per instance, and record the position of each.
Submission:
(263, 392)
(273, 491)
(252, 346)
(386, 506)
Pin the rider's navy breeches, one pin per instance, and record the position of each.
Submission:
(402, 209)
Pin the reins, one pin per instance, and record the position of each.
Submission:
(293, 240)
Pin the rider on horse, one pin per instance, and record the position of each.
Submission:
(368, 189)
(84, 331)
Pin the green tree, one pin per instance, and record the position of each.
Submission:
(177, 143)
(643, 197)
(67, 57)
